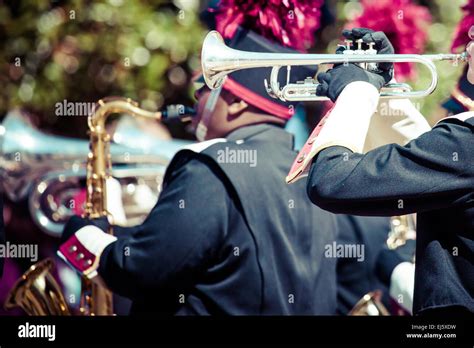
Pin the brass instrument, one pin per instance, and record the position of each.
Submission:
(37, 292)
(370, 305)
(49, 170)
(219, 60)
(96, 299)
(402, 228)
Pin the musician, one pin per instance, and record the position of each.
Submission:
(462, 95)
(227, 235)
(432, 175)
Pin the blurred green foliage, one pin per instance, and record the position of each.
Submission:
(144, 49)
(84, 50)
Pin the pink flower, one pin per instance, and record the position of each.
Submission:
(461, 37)
(292, 23)
(403, 22)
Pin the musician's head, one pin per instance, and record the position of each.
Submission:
(223, 112)
(470, 51)
(243, 99)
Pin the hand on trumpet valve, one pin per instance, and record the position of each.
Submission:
(368, 41)
(332, 82)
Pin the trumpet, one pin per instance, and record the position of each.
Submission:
(219, 60)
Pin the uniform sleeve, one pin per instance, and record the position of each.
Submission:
(180, 235)
(434, 171)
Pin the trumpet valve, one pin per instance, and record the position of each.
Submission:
(371, 50)
(349, 44)
(359, 49)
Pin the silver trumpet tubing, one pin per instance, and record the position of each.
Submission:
(219, 60)
(50, 170)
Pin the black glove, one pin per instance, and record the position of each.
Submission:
(332, 82)
(75, 223)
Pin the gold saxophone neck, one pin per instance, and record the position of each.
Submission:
(113, 105)
(95, 299)
(98, 161)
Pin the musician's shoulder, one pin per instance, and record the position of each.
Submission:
(193, 161)
(193, 151)
(203, 145)
(467, 116)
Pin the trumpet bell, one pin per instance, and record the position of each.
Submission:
(213, 56)
(37, 292)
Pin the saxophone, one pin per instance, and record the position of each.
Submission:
(37, 292)
(97, 299)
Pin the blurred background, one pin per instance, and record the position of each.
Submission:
(148, 50)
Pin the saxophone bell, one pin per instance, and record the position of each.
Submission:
(37, 292)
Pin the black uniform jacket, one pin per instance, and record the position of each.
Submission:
(356, 277)
(432, 175)
(227, 237)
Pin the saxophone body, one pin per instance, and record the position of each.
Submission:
(96, 299)
(37, 292)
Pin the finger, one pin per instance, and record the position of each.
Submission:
(361, 32)
(355, 33)
(324, 77)
(347, 33)
(382, 43)
(387, 74)
(322, 89)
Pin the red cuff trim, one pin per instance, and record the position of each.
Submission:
(258, 101)
(299, 163)
(78, 255)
